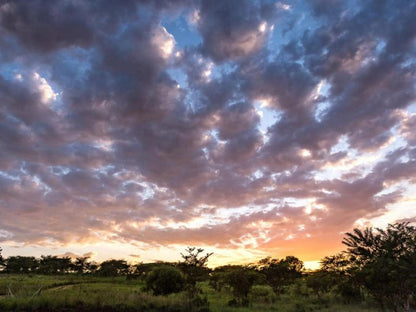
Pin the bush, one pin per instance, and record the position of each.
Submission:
(262, 294)
(199, 304)
(165, 280)
(349, 292)
(241, 280)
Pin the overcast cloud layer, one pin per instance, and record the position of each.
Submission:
(269, 126)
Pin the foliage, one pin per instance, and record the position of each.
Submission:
(1, 259)
(321, 282)
(194, 266)
(165, 280)
(194, 257)
(216, 280)
(54, 265)
(198, 304)
(81, 265)
(338, 270)
(82, 293)
(75, 292)
(21, 264)
(241, 279)
(51, 265)
(141, 270)
(219, 276)
(262, 293)
(384, 262)
(378, 264)
(339, 264)
(280, 273)
(113, 268)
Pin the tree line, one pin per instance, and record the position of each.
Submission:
(377, 264)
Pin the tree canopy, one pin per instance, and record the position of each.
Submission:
(384, 262)
(164, 280)
(280, 273)
(194, 266)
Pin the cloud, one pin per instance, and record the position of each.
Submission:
(252, 138)
(45, 27)
(231, 30)
(73, 256)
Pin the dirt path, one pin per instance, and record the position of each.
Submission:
(62, 287)
(67, 285)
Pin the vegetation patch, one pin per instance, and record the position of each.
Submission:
(377, 272)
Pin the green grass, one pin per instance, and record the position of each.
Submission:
(79, 293)
(89, 293)
(291, 301)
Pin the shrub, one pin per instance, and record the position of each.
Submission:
(262, 293)
(199, 304)
(165, 280)
(241, 280)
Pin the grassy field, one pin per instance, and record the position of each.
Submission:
(88, 293)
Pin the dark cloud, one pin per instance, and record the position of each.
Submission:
(44, 26)
(232, 30)
(287, 85)
(327, 8)
(112, 129)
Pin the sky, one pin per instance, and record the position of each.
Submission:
(132, 129)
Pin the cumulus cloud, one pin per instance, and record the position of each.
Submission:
(231, 30)
(277, 126)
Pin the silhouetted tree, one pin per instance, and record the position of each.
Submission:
(280, 273)
(54, 265)
(340, 269)
(21, 264)
(81, 265)
(217, 278)
(321, 282)
(113, 268)
(92, 267)
(241, 279)
(339, 264)
(1, 260)
(384, 262)
(194, 267)
(142, 269)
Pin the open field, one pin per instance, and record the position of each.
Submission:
(89, 293)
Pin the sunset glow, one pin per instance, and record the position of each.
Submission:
(132, 129)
